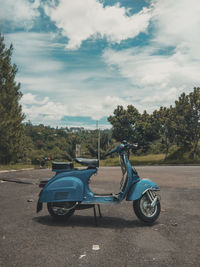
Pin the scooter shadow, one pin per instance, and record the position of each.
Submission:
(88, 221)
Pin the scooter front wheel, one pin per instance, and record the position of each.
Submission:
(60, 210)
(145, 211)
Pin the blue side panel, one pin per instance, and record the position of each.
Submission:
(84, 174)
(138, 188)
(62, 189)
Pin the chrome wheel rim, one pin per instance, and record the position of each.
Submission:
(146, 208)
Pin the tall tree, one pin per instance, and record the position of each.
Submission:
(165, 124)
(129, 124)
(124, 123)
(146, 131)
(187, 117)
(11, 116)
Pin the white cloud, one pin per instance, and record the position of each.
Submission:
(30, 99)
(80, 20)
(50, 85)
(19, 13)
(169, 95)
(110, 102)
(32, 52)
(158, 78)
(50, 112)
(177, 22)
(53, 88)
(145, 69)
(42, 111)
(96, 107)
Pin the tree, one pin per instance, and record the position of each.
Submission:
(145, 131)
(11, 116)
(124, 122)
(165, 124)
(132, 126)
(187, 118)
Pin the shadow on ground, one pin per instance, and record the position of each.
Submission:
(88, 221)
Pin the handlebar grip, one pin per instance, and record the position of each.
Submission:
(134, 145)
(120, 148)
(115, 150)
(110, 152)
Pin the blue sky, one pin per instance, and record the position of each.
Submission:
(79, 59)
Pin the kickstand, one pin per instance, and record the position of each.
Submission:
(95, 215)
(100, 215)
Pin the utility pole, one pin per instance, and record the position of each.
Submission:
(99, 140)
(78, 150)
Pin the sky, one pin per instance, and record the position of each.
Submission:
(77, 60)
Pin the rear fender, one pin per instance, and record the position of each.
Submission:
(63, 189)
(139, 188)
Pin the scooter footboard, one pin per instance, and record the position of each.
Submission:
(62, 189)
(139, 188)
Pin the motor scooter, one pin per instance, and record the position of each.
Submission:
(69, 189)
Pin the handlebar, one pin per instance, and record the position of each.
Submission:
(122, 147)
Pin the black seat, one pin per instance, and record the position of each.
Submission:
(62, 165)
(91, 163)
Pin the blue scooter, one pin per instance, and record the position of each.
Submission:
(69, 189)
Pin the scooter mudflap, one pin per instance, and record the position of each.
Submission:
(39, 206)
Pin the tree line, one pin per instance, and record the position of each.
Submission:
(171, 130)
(175, 125)
(47, 143)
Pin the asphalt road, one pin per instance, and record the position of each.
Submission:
(30, 239)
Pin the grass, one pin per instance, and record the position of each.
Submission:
(150, 159)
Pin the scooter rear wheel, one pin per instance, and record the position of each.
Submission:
(144, 211)
(61, 210)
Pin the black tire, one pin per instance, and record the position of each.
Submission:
(143, 210)
(61, 210)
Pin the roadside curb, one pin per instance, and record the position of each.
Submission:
(27, 169)
(18, 181)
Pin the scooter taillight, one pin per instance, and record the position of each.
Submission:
(43, 183)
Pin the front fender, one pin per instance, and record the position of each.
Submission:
(62, 189)
(139, 188)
